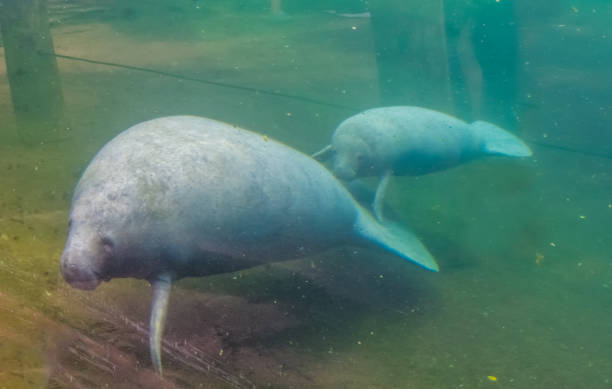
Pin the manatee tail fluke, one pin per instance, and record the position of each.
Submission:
(395, 239)
(499, 141)
(159, 308)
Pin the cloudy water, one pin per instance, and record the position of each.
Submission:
(523, 296)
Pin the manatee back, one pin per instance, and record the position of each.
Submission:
(411, 140)
(188, 186)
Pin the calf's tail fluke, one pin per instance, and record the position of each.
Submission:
(499, 141)
(159, 307)
(395, 239)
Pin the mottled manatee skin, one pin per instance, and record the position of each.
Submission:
(196, 197)
(408, 140)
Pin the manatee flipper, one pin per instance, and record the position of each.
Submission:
(499, 141)
(379, 198)
(159, 307)
(323, 154)
(395, 239)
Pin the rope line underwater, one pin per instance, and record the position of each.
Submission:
(203, 81)
(287, 96)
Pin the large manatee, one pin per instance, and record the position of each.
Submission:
(186, 196)
(407, 140)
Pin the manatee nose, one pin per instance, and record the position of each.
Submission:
(69, 271)
(77, 276)
(344, 172)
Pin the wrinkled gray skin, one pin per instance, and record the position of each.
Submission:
(407, 140)
(186, 196)
(167, 193)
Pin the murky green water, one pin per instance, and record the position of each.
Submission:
(522, 299)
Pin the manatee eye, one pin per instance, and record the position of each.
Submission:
(107, 243)
(361, 159)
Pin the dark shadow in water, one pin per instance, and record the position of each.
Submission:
(287, 312)
(263, 326)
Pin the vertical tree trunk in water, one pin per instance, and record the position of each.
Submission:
(33, 76)
(483, 45)
(411, 53)
(276, 6)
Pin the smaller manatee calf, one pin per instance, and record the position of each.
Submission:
(184, 196)
(406, 140)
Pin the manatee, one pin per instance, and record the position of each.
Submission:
(406, 140)
(186, 196)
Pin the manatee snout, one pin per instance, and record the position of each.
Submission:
(351, 157)
(76, 273)
(343, 169)
(349, 165)
(81, 261)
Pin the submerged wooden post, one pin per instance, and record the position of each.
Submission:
(410, 40)
(276, 6)
(484, 51)
(32, 69)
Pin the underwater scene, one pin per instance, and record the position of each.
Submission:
(305, 194)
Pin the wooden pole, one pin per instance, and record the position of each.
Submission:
(410, 40)
(276, 7)
(34, 80)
